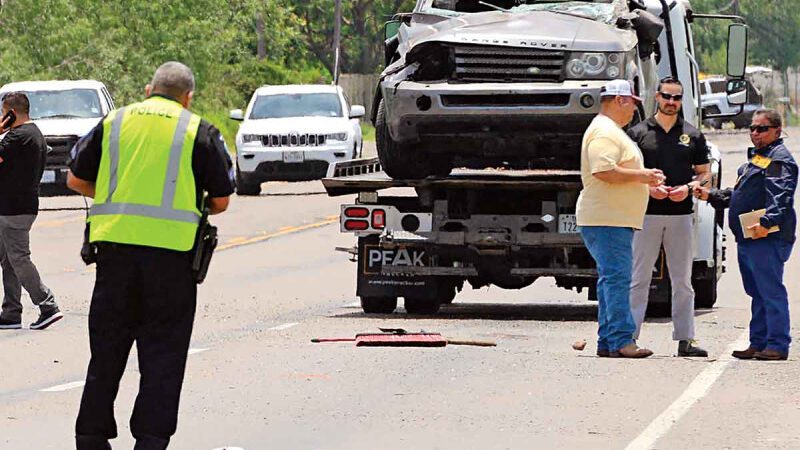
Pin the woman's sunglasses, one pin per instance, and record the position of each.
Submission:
(760, 128)
(676, 97)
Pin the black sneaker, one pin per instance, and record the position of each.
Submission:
(47, 318)
(687, 348)
(6, 324)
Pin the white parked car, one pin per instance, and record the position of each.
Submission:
(64, 110)
(292, 133)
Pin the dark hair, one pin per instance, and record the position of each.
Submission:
(17, 101)
(773, 116)
(669, 80)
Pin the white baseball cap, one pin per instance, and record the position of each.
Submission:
(618, 87)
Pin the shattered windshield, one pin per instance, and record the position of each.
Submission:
(605, 11)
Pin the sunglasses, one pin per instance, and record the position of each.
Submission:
(676, 97)
(760, 128)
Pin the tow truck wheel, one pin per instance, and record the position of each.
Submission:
(447, 295)
(378, 305)
(415, 305)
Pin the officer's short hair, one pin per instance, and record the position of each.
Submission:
(669, 80)
(772, 116)
(173, 79)
(18, 101)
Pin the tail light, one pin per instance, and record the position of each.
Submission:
(355, 225)
(378, 219)
(356, 212)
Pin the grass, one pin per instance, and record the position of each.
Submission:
(367, 132)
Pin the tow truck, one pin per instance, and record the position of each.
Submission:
(424, 238)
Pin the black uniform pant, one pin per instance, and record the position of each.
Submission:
(146, 295)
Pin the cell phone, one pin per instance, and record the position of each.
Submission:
(8, 119)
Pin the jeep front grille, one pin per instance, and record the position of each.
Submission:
(293, 140)
(507, 64)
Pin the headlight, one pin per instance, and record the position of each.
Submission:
(598, 66)
(336, 136)
(250, 138)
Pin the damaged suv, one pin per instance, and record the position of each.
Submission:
(505, 83)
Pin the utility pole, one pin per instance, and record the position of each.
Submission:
(337, 40)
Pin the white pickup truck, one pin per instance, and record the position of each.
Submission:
(64, 111)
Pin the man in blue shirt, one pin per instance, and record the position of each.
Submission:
(767, 181)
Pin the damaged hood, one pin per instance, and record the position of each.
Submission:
(530, 29)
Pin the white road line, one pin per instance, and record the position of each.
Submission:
(696, 390)
(193, 351)
(285, 326)
(353, 305)
(64, 387)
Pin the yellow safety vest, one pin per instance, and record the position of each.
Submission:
(145, 193)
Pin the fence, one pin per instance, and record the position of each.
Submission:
(359, 88)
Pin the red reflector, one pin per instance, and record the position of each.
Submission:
(356, 225)
(378, 218)
(356, 212)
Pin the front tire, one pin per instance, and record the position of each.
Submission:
(400, 161)
(243, 188)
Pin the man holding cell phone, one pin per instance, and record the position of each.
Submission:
(680, 151)
(21, 163)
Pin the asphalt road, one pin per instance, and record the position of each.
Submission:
(254, 381)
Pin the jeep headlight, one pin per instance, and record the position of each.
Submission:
(595, 65)
(246, 138)
(340, 137)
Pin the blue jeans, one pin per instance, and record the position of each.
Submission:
(612, 250)
(761, 264)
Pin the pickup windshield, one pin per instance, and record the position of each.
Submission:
(65, 104)
(601, 10)
(278, 106)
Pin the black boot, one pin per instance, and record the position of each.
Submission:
(687, 348)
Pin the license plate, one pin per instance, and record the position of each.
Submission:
(293, 157)
(49, 176)
(567, 223)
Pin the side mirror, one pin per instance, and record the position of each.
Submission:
(737, 92)
(357, 111)
(237, 114)
(737, 50)
(391, 28)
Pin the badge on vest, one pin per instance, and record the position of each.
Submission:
(760, 161)
(684, 139)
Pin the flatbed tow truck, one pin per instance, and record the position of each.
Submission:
(424, 240)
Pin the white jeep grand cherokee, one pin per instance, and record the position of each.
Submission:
(292, 133)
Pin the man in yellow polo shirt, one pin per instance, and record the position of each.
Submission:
(611, 205)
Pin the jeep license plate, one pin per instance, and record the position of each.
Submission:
(293, 157)
(49, 176)
(567, 223)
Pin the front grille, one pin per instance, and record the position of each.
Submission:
(508, 100)
(507, 64)
(292, 140)
(59, 154)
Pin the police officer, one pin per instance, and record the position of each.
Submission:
(146, 166)
(767, 181)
